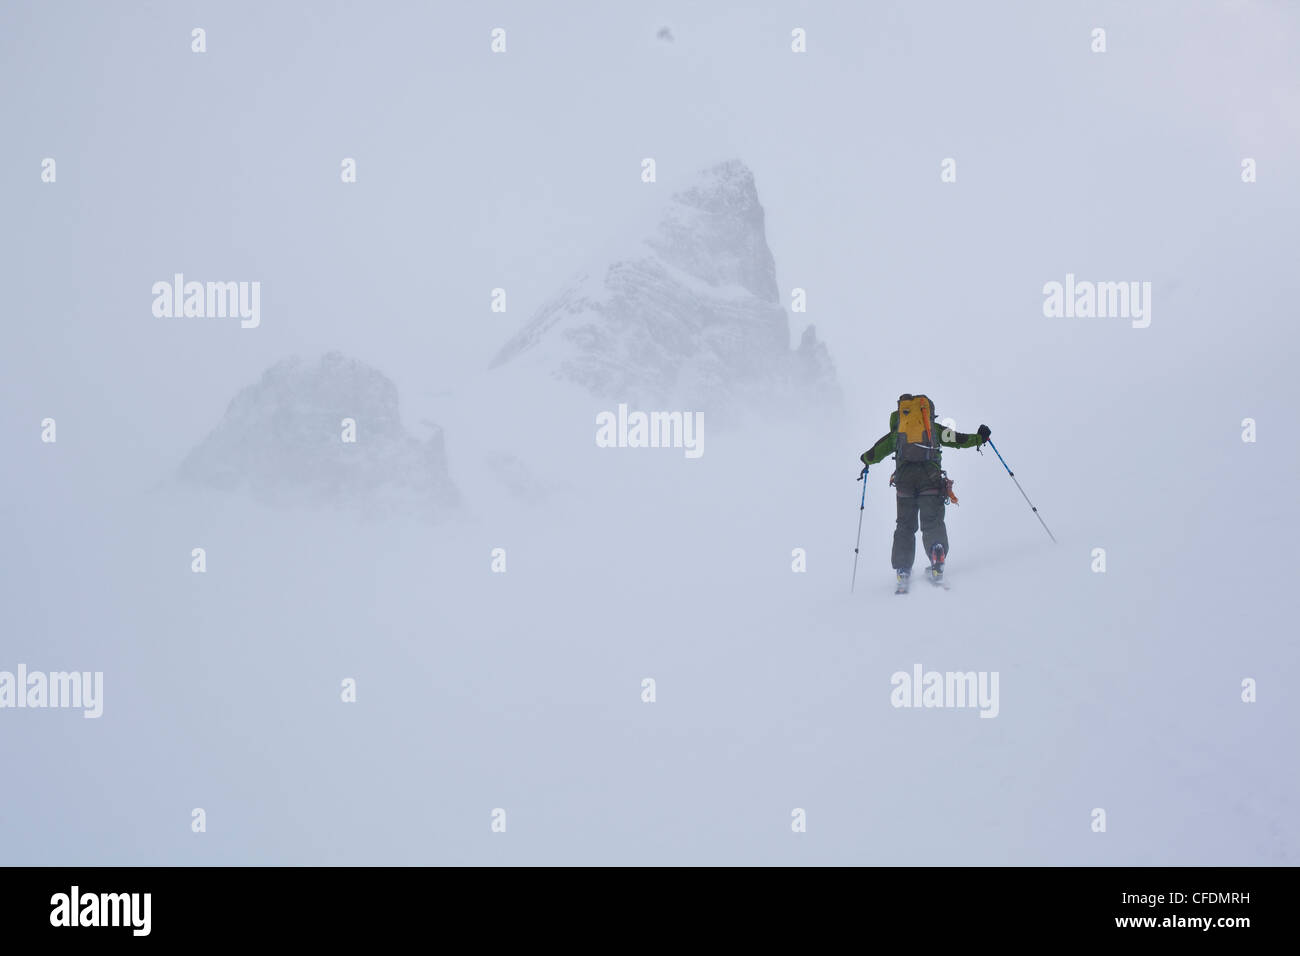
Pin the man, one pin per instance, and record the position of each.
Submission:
(923, 488)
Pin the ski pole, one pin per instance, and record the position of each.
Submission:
(861, 508)
(1022, 490)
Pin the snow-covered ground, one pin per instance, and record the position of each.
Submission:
(522, 690)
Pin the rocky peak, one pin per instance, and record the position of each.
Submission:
(281, 441)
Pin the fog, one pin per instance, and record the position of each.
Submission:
(497, 585)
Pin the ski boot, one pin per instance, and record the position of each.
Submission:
(904, 578)
(936, 565)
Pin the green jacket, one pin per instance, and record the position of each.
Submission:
(885, 446)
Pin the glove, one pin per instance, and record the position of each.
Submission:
(984, 433)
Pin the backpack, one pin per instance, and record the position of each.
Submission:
(915, 439)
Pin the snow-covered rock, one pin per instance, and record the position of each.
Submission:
(282, 442)
(691, 319)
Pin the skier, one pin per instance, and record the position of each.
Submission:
(923, 486)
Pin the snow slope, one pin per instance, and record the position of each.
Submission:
(522, 690)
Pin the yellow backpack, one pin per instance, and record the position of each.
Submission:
(915, 438)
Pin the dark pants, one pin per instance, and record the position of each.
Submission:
(920, 498)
